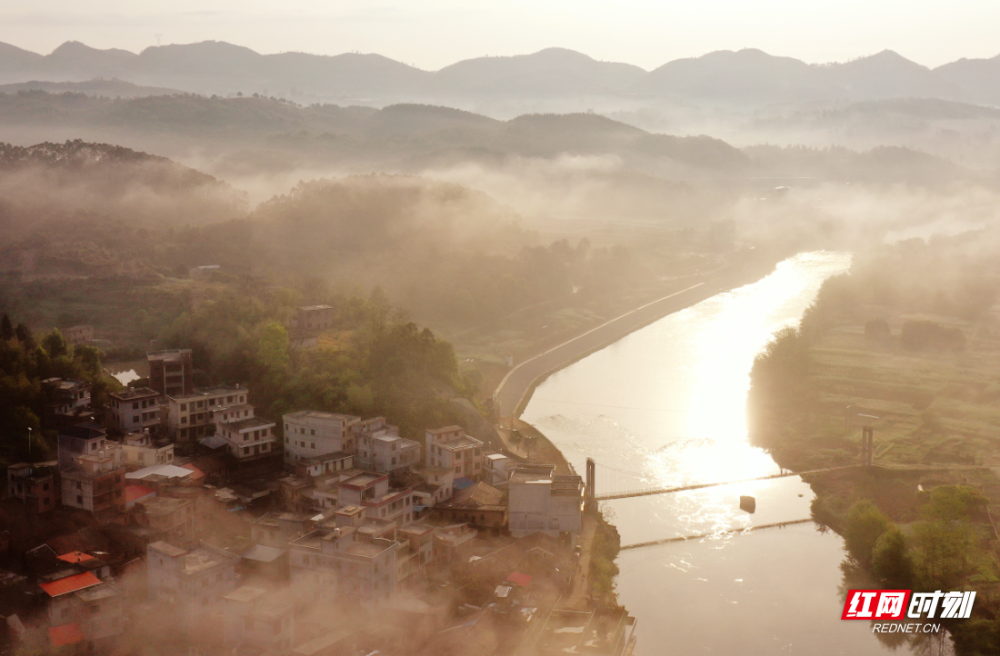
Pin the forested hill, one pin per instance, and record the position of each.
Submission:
(109, 164)
(747, 76)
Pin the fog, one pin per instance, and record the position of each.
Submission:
(385, 247)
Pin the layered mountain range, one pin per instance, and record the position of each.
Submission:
(746, 76)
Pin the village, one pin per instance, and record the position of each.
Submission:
(177, 520)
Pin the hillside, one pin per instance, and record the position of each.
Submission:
(745, 76)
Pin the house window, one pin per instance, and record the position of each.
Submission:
(135, 406)
(246, 450)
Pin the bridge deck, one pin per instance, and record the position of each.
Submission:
(667, 490)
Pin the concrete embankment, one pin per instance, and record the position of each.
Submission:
(514, 390)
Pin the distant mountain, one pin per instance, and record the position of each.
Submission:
(980, 78)
(550, 72)
(745, 76)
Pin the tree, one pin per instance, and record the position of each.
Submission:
(23, 334)
(6, 329)
(864, 526)
(55, 344)
(272, 348)
(891, 562)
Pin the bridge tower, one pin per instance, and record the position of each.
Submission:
(591, 491)
(868, 446)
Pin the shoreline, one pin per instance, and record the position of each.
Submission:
(517, 386)
(515, 389)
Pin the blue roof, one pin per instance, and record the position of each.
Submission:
(464, 482)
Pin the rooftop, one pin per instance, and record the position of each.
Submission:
(167, 549)
(262, 554)
(312, 308)
(461, 442)
(446, 429)
(525, 474)
(88, 430)
(168, 471)
(132, 393)
(250, 423)
(203, 392)
(316, 414)
(170, 354)
(161, 506)
(364, 479)
(245, 594)
(70, 584)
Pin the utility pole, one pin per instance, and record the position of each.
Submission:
(29, 443)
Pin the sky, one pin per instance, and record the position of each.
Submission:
(431, 34)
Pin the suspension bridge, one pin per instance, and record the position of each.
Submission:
(594, 495)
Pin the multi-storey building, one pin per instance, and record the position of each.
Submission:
(171, 373)
(310, 433)
(258, 621)
(91, 471)
(83, 439)
(190, 579)
(542, 502)
(189, 416)
(247, 437)
(344, 562)
(80, 334)
(36, 484)
(142, 450)
(68, 402)
(451, 448)
(313, 318)
(329, 463)
(416, 553)
(96, 484)
(385, 452)
(81, 607)
(371, 491)
(496, 469)
(134, 410)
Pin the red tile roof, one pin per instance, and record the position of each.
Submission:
(520, 579)
(136, 492)
(67, 634)
(76, 557)
(70, 584)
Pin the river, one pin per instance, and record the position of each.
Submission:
(665, 406)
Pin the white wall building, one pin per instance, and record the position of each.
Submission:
(134, 410)
(140, 450)
(189, 417)
(310, 433)
(450, 447)
(258, 621)
(343, 562)
(247, 437)
(191, 580)
(542, 502)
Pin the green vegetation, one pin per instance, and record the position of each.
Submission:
(603, 569)
(24, 364)
(909, 347)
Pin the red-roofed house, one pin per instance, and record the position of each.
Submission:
(134, 493)
(81, 605)
(69, 584)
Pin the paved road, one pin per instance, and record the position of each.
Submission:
(511, 394)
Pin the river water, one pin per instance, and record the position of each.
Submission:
(665, 406)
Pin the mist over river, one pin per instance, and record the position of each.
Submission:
(665, 407)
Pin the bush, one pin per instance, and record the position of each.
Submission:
(918, 335)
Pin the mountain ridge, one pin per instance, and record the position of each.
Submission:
(741, 76)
